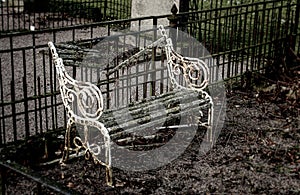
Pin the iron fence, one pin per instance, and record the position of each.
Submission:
(30, 102)
(246, 36)
(25, 15)
(240, 38)
(37, 183)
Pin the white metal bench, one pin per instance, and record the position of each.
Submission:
(88, 98)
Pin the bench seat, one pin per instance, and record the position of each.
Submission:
(126, 123)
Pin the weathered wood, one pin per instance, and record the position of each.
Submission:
(173, 115)
(175, 104)
(75, 54)
(161, 133)
(171, 102)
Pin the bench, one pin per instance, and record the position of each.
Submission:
(88, 101)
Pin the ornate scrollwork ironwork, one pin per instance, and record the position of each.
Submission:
(194, 70)
(195, 73)
(83, 102)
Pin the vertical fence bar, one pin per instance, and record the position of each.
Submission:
(296, 25)
(40, 105)
(45, 92)
(105, 9)
(73, 34)
(2, 126)
(108, 98)
(33, 22)
(128, 11)
(62, 12)
(239, 63)
(12, 57)
(254, 34)
(262, 33)
(13, 108)
(278, 35)
(267, 31)
(244, 21)
(18, 12)
(219, 45)
(54, 89)
(230, 45)
(128, 82)
(237, 40)
(2, 17)
(24, 17)
(249, 40)
(162, 76)
(289, 33)
(91, 32)
(136, 82)
(13, 15)
(53, 104)
(123, 86)
(26, 118)
(7, 14)
(3, 142)
(153, 69)
(270, 35)
(34, 84)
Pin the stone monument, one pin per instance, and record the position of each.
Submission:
(141, 8)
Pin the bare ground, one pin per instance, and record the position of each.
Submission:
(258, 152)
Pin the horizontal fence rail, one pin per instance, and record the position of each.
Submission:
(37, 183)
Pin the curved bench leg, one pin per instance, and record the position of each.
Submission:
(107, 142)
(107, 163)
(210, 134)
(67, 146)
(109, 176)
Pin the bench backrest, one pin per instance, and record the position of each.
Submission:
(82, 100)
(88, 97)
(193, 70)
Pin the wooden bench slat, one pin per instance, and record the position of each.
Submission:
(173, 114)
(157, 140)
(140, 109)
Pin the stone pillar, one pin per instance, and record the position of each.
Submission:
(142, 8)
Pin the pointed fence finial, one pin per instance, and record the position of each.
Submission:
(173, 19)
(174, 9)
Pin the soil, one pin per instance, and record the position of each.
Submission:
(258, 151)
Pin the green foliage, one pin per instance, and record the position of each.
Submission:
(236, 26)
